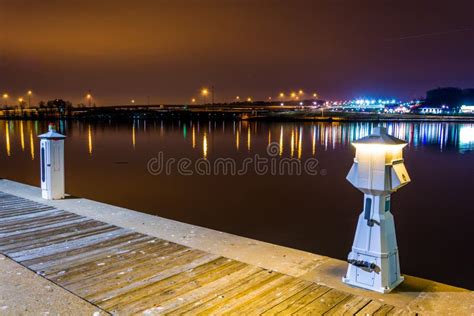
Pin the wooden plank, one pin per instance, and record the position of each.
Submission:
(384, 310)
(5, 205)
(123, 280)
(57, 248)
(401, 311)
(7, 227)
(90, 229)
(39, 226)
(62, 244)
(295, 302)
(100, 295)
(305, 300)
(248, 281)
(32, 231)
(370, 308)
(31, 237)
(15, 203)
(28, 218)
(30, 210)
(274, 297)
(36, 222)
(9, 213)
(98, 253)
(173, 286)
(167, 270)
(78, 255)
(86, 273)
(349, 306)
(168, 290)
(245, 294)
(15, 208)
(218, 288)
(323, 303)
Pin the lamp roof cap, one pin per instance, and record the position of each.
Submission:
(380, 136)
(51, 134)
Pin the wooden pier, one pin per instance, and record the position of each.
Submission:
(125, 272)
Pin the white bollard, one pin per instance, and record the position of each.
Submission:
(52, 164)
(378, 171)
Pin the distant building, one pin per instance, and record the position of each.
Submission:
(396, 108)
(430, 110)
(361, 105)
(467, 109)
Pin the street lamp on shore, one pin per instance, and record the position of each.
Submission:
(205, 92)
(89, 98)
(29, 97)
(5, 98)
(21, 104)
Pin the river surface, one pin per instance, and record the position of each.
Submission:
(315, 210)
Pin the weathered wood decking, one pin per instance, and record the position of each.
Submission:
(124, 272)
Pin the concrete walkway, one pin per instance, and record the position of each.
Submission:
(23, 292)
(415, 295)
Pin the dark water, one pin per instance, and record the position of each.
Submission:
(107, 161)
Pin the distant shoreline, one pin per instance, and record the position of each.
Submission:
(273, 114)
(367, 117)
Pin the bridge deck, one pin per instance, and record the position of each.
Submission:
(125, 272)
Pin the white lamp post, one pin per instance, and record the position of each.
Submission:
(52, 164)
(378, 171)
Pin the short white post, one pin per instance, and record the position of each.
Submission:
(52, 164)
(378, 170)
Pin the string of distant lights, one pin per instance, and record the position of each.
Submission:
(282, 98)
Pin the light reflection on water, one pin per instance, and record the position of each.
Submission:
(89, 138)
(325, 136)
(7, 140)
(32, 145)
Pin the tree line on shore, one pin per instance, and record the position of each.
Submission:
(450, 96)
(56, 107)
